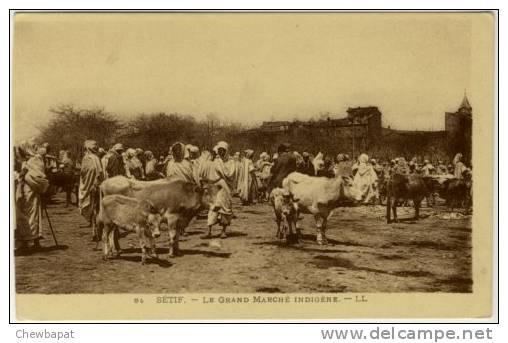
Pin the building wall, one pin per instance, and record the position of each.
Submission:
(367, 135)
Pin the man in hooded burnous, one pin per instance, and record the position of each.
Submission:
(179, 167)
(115, 163)
(247, 183)
(221, 211)
(33, 183)
(366, 179)
(90, 178)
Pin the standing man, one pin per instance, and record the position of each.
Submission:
(116, 164)
(90, 178)
(283, 166)
(221, 211)
(179, 167)
(306, 167)
(32, 185)
(458, 166)
(247, 183)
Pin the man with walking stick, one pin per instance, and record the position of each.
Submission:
(31, 184)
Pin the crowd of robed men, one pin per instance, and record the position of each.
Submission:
(238, 174)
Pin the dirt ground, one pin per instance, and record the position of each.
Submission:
(364, 255)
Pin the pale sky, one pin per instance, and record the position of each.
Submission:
(245, 67)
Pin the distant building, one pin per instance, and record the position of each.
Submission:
(458, 127)
(362, 131)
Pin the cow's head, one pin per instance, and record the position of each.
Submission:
(151, 218)
(287, 203)
(348, 191)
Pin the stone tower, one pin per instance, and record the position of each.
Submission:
(458, 127)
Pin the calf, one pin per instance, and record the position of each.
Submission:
(285, 213)
(119, 211)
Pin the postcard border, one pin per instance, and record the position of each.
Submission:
(207, 321)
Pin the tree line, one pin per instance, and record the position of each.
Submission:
(71, 126)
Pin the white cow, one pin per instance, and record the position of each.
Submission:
(320, 195)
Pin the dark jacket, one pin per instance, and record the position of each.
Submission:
(326, 173)
(285, 164)
(306, 168)
(116, 166)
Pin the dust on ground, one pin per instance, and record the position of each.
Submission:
(365, 254)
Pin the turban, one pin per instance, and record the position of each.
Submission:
(117, 147)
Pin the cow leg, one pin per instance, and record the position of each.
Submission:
(105, 241)
(394, 210)
(174, 234)
(319, 229)
(223, 234)
(388, 206)
(211, 221)
(118, 249)
(68, 199)
(285, 230)
(294, 219)
(323, 229)
(94, 227)
(181, 227)
(388, 212)
(278, 220)
(153, 248)
(417, 203)
(111, 244)
(143, 252)
(296, 215)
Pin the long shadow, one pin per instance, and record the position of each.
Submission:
(411, 220)
(161, 251)
(43, 250)
(325, 262)
(160, 262)
(331, 241)
(230, 234)
(192, 233)
(205, 253)
(299, 247)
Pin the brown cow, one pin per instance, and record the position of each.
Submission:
(401, 187)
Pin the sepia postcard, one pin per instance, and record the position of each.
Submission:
(253, 166)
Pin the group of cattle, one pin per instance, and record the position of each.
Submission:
(141, 206)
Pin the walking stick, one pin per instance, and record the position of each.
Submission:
(50, 226)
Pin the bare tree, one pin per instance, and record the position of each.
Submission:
(71, 126)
